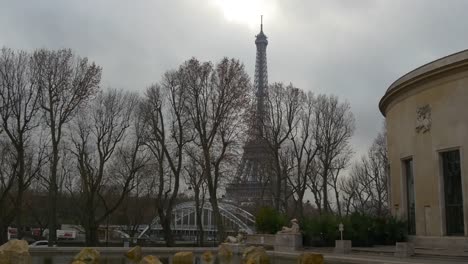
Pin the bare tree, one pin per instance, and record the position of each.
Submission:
(335, 127)
(338, 165)
(166, 137)
(283, 107)
(19, 107)
(357, 196)
(138, 207)
(217, 97)
(348, 188)
(381, 167)
(366, 189)
(305, 150)
(100, 132)
(196, 182)
(64, 83)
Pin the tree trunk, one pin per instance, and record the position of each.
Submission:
(218, 218)
(317, 200)
(92, 239)
(19, 213)
(53, 195)
(91, 227)
(201, 234)
(21, 189)
(301, 205)
(338, 205)
(3, 233)
(52, 215)
(325, 190)
(212, 192)
(166, 225)
(277, 184)
(199, 215)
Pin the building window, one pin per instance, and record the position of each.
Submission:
(453, 192)
(410, 204)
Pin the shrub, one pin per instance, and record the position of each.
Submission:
(361, 229)
(395, 231)
(269, 221)
(320, 231)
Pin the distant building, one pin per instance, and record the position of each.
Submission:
(252, 185)
(427, 126)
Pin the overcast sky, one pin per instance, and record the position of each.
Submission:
(353, 49)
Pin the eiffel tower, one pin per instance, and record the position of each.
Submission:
(252, 183)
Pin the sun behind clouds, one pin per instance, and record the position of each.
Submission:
(247, 12)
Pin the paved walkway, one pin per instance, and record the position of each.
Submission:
(384, 254)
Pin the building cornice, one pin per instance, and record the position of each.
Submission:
(430, 71)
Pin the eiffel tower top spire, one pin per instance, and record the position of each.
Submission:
(261, 23)
(261, 77)
(261, 37)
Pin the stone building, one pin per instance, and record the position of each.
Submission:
(427, 126)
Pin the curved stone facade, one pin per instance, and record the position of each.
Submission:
(427, 137)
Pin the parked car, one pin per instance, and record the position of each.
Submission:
(40, 243)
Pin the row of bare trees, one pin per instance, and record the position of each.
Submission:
(194, 118)
(366, 188)
(309, 138)
(62, 134)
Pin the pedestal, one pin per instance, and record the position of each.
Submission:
(342, 246)
(288, 242)
(404, 249)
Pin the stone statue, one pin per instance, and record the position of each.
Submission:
(294, 229)
(235, 239)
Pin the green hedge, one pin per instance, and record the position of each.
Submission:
(269, 221)
(362, 230)
(322, 231)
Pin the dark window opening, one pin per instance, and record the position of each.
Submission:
(410, 204)
(453, 193)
